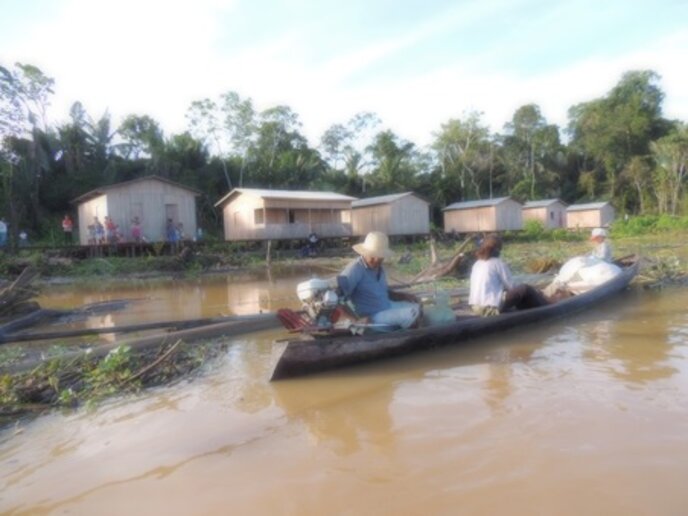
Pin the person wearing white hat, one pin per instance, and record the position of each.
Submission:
(603, 250)
(364, 283)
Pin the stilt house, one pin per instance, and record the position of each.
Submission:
(551, 212)
(500, 214)
(152, 199)
(591, 215)
(396, 214)
(256, 214)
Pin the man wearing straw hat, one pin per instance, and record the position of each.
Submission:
(364, 283)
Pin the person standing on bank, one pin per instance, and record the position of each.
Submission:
(492, 289)
(603, 250)
(67, 227)
(3, 232)
(364, 283)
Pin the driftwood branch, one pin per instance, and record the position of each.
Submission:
(433, 252)
(18, 292)
(155, 363)
(438, 269)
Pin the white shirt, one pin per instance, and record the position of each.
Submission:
(489, 278)
(603, 251)
(3, 226)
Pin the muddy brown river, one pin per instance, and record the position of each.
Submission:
(584, 415)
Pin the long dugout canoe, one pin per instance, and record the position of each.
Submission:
(308, 356)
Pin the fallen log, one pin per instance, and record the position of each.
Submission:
(226, 329)
(30, 319)
(42, 315)
(130, 328)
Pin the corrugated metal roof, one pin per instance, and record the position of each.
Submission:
(380, 199)
(287, 194)
(476, 204)
(588, 206)
(103, 189)
(542, 204)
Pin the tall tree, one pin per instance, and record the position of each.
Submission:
(463, 149)
(611, 130)
(350, 144)
(205, 123)
(240, 124)
(394, 163)
(26, 147)
(671, 155)
(532, 152)
(281, 156)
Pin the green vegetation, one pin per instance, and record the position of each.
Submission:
(62, 382)
(535, 231)
(648, 224)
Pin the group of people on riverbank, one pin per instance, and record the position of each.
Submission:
(492, 288)
(109, 232)
(23, 236)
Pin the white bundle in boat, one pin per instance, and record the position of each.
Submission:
(583, 273)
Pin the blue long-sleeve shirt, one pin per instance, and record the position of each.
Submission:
(365, 287)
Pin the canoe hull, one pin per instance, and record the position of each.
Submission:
(304, 357)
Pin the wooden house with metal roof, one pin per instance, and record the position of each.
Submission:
(152, 199)
(590, 215)
(500, 214)
(550, 212)
(396, 214)
(259, 214)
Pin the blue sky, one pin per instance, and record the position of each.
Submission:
(415, 63)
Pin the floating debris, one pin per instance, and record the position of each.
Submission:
(656, 273)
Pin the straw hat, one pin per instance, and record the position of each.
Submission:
(598, 232)
(375, 245)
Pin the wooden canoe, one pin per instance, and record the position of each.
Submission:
(308, 355)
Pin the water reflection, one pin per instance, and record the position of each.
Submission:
(345, 413)
(501, 365)
(211, 296)
(635, 345)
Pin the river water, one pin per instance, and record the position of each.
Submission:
(585, 415)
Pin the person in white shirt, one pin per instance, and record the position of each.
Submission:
(492, 290)
(603, 250)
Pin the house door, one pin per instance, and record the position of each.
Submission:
(137, 211)
(172, 212)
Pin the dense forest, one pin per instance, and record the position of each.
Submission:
(618, 147)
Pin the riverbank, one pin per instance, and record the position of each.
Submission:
(525, 251)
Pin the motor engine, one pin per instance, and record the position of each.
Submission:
(320, 301)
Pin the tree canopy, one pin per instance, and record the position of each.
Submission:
(618, 147)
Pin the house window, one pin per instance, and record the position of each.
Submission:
(259, 216)
(551, 215)
(292, 216)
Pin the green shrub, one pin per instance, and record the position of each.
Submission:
(648, 224)
(534, 229)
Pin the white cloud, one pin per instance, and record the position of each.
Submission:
(128, 56)
(156, 57)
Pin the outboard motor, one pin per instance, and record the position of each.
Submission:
(324, 311)
(319, 300)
